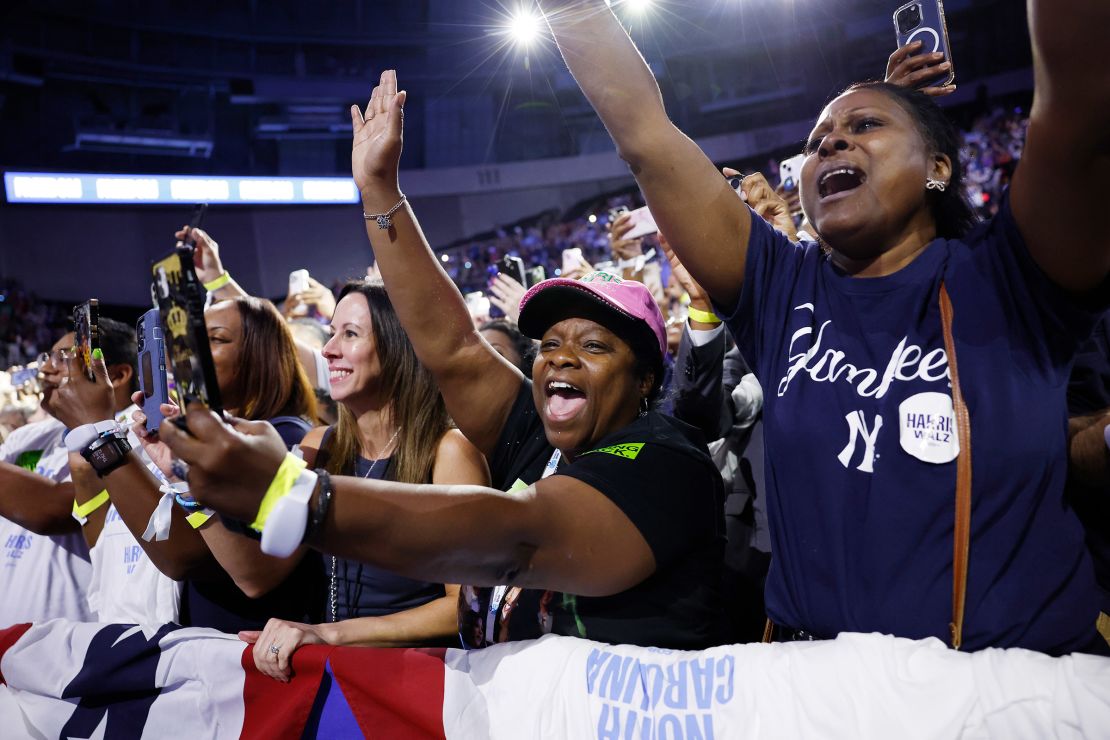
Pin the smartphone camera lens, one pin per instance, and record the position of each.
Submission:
(909, 19)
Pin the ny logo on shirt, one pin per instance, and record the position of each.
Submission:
(858, 432)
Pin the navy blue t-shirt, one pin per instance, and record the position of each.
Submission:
(218, 603)
(861, 447)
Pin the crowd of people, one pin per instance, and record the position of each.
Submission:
(760, 433)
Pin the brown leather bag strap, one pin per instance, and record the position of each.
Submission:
(961, 535)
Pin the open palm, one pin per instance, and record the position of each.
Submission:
(376, 148)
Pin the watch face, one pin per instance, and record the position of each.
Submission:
(104, 455)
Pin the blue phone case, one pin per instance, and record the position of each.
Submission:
(152, 367)
(931, 31)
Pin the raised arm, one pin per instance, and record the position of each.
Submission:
(706, 224)
(1064, 175)
(478, 386)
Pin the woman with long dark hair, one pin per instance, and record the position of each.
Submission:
(393, 425)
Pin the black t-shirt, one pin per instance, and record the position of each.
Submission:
(658, 472)
(218, 603)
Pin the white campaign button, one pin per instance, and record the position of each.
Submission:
(928, 427)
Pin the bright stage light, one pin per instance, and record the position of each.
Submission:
(524, 26)
(635, 7)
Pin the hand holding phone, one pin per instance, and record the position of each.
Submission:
(87, 334)
(181, 309)
(513, 267)
(790, 172)
(153, 381)
(923, 59)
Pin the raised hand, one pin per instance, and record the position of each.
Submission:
(206, 255)
(768, 205)
(318, 298)
(622, 248)
(505, 293)
(79, 400)
(907, 68)
(156, 450)
(378, 135)
(230, 464)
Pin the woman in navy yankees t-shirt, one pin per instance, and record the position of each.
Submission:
(847, 340)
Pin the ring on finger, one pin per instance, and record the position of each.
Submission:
(275, 649)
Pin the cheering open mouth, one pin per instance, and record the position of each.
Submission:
(839, 178)
(564, 400)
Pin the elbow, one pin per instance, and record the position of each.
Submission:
(180, 568)
(47, 523)
(254, 588)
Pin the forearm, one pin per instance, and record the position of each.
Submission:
(705, 223)
(1088, 455)
(431, 622)
(35, 502)
(611, 72)
(428, 304)
(135, 494)
(1063, 66)
(254, 572)
(442, 534)
(86, 487)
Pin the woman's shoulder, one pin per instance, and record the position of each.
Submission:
(457, 457)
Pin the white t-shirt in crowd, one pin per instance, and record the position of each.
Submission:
(41, 577)
(126, 586)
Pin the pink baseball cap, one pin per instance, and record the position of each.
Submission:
(552, 300)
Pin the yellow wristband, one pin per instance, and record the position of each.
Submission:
(221, 281)
(702, 317)
(198, 519)
(81, 511)
(280, 486)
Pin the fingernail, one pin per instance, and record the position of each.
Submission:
(98, 354)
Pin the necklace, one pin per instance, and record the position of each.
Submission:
(333, 590)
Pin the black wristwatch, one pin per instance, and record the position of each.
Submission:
(107, 453)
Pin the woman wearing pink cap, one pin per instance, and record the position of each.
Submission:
(608, 519)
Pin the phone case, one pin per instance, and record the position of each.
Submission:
(790, 172)
(932, 31)
(87, 333)
(181, 305)
(152, 367)
(514, 268)
(298, 281)
(643, 224)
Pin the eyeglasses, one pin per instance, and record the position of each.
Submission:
(58, 356)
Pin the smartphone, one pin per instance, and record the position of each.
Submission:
(85, 318)
(513, 267)
(790, 172)
(298, 281)
(181, 311)
(923, 20)
(199, 211)
(643, 224)
(152, 367)
(536, 275)
(615, 213)
(572, 259)
(478, 305)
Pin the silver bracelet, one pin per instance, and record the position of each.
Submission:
(383, 219)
